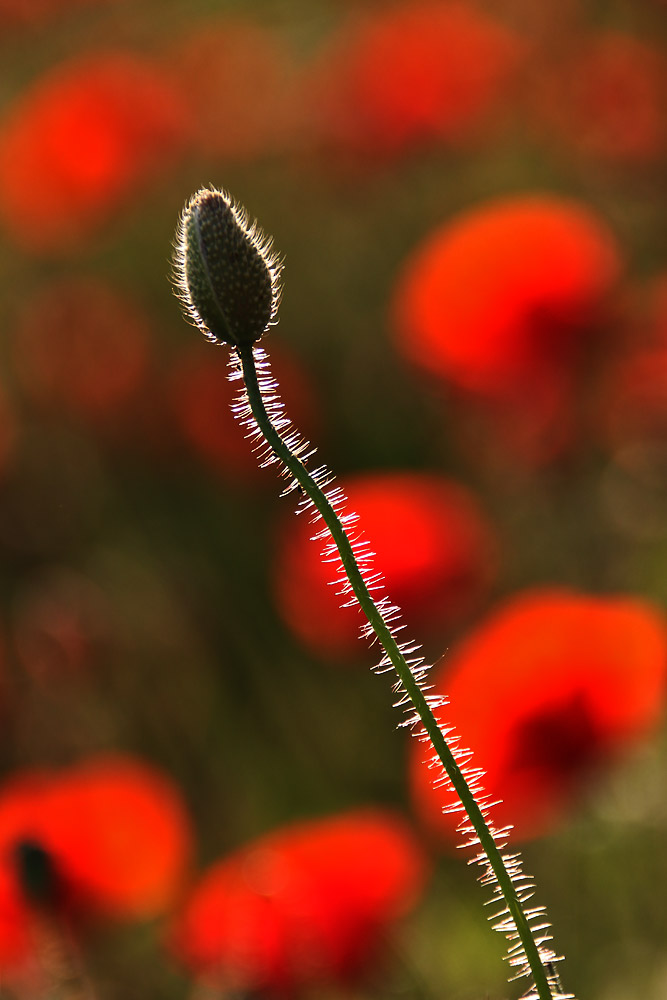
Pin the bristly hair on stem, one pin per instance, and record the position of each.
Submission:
(238, 302)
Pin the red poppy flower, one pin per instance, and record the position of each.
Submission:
(236, 78)
(415, 73)
(201, 398)
(507, 288)
(81, 140)
(108, 838)
(17, 808)
(432, 545)
(506, 303)
(607, 99)
(307, 904)
(544, 692)
(81, 347)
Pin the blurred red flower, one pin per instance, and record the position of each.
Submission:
(81, 347)
(548, 689)
(201, 398)
(414, 73)
(308, 904)
(606, 98)
(431, 542)
(83, 138)
(237, 78)
(111, 839)
(506, 302)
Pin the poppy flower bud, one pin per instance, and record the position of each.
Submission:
(225, 272)
(36, 871)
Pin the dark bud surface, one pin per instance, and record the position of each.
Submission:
(36, 872)
(225, 272)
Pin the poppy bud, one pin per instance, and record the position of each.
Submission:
(225, 272)
(36, 871)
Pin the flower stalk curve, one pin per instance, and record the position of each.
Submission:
(228, 280)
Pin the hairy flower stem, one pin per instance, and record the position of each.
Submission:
(400, 664)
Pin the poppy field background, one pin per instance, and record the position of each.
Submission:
(203, 790)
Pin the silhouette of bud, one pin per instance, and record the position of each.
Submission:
(36, 872)
(225, 272)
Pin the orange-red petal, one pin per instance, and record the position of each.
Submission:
(549, 688)
(432, 545)
(78, 142)
(304, 905)
(508, 288)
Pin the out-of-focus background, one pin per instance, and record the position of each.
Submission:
(470, 202)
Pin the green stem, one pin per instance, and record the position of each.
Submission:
(401, 666)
